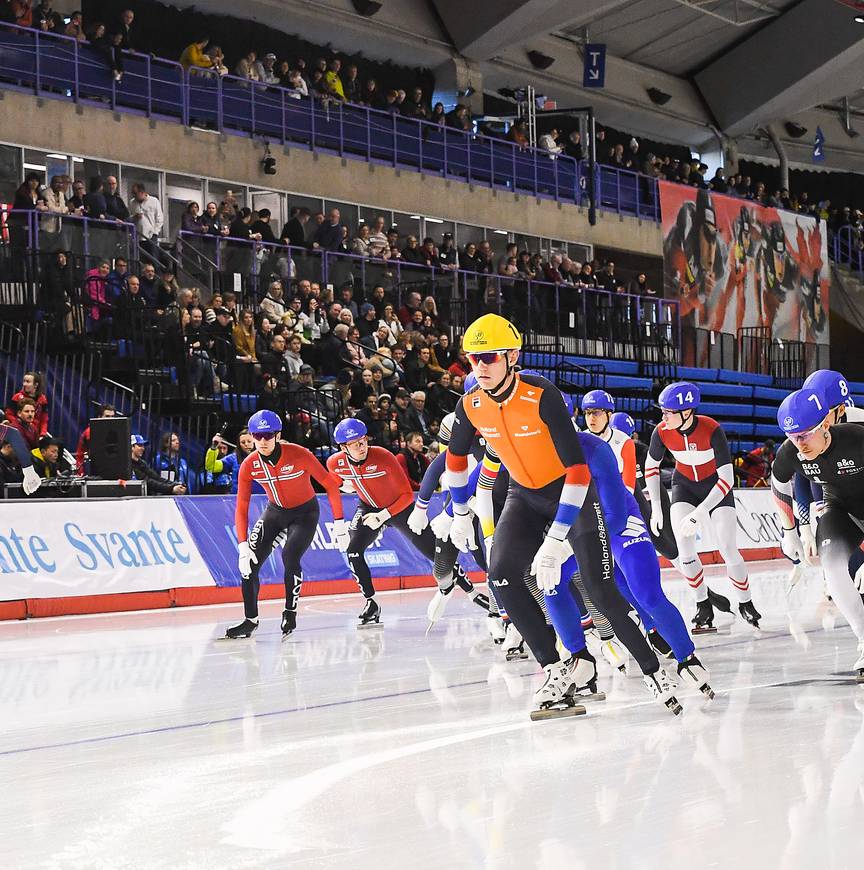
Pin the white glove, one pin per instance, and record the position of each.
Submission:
(376, 520)
(690, 524)
(347, 487)
(341, 535)
(808, 542)
(487, 544)
(417, 520)
(246, 558)
(462, 532)
(32, 481)
(656, 520)
(547, 563)
(440, 526)
(791, 545)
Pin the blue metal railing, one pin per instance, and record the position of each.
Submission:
(58, 67)
(846, 250)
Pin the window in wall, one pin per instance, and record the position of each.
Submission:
(295, 200)
(84, 169)
(38, 162)
(219, 190)
(11, 173)
(435, 227)
(407, 224)
(527, 243)
(469, 233)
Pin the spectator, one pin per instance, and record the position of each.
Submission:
(439, 115)
(444, 353)
(549, 142)
(415, 106)
(360, 243)
(296, 85)
(118, 278)
(351, 84)
(194, 55)
(96, 297)
(469, 259)
(123, 27)
(273, 304)
(371, 96)
(330, 234)
(293, 355)
(447, 255)
(294, 231)
(46, 19)
(460, 366)
(573, 147)
(131, 308)
(458, 118)
(149, 284)
(168, 462)
(75, 27)
(114, 205)
(217, 60)
(10, 467)
(244, 337)
(755, 467)
(95, 205)
(402, 410)
(55, 201)
(267, 70)
(412, 460)
(156, 484)
(418, 417)
(263, 335)
(247, 67)
(412, 304)
(640, 286)
(48, 459)
(76, 201)
(57, 295)
(361, 388)
(274, 366)
(518, 134)
(82, 454)
(262, 229)
(378, 245)
(440, 396)
(607, 279)
(24, 420)
(146, 212)
(346, 300)
(367, 322)
(332, 82)
(167, 290)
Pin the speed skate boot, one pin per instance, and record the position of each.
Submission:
(703, 621)
(691, 670)
(858, 667)
(497, 628)
(371, 615)
(721, 602)
(478, 597)
(658, 642)
(663, 690)
(244, 629)
(583, 671)
(514, 646)
(437, 605)
(554, 698)
(289, 623)
(749, 613)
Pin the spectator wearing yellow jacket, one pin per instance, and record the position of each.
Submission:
(194, 56)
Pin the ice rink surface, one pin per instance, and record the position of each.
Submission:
(138, 741)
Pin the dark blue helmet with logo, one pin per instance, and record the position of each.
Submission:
(349, 430)
(832, 385)
(802, 410)
(623, 423)
(264, 423)
(598, 399)
(679, 396)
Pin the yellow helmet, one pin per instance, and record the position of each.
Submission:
(489, 333)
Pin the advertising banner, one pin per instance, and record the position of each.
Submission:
(211, 523)
(54, 549)
(732, 263)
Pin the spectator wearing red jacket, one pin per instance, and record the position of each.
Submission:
(412, 460)
(31, 388)
(82, 454)
(24, 421)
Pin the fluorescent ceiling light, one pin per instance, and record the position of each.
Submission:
(434, 221)
(414, 217)
(56, 156)
(37, 166)
(77, 159)
(500, 232)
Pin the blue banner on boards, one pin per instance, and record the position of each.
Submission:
(210, 520)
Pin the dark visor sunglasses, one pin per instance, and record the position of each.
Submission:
(487, 358)
(263, 436)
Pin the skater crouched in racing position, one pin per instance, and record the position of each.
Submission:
(444, 569)
(527, 428)
(701, 488)
(833, 457)
(285, 471)
(385, 499)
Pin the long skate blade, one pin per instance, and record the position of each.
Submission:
(705, 629)
(589, 697)
(516, 657)
(232, 639)
(365, 626)
(562, 712)
(429, 628)
(859, 677)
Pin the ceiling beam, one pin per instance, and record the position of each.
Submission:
(811, 54)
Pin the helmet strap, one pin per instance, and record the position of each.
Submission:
(687, 421)
(511, 370)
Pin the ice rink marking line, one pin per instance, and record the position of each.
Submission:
(167, 729)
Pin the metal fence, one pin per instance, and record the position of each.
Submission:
(58, 67)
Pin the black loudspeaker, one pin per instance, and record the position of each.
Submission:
(795, 130)
(110, 450)
(366, 8)
(539, 60)
(658, 97)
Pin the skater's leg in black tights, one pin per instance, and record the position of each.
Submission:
(265, 531)
(361, 537)
(299, 536)
(518, 535)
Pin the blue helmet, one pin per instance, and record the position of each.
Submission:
(349, 430)
(830, 384)
(470, 382)
(679, 396)
(599, 399)
(623, 423)
(802, 410)
(264, 423)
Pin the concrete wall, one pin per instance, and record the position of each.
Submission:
(96, 133)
